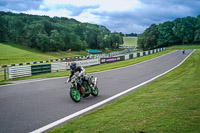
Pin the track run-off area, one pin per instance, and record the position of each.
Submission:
(39, 105)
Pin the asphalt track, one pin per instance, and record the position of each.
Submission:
(28, 106)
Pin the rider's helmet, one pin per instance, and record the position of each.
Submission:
(73, 66)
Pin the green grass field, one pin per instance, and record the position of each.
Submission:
(170, 104)
(13, 53)
(130, 41)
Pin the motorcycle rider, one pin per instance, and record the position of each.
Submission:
(183, 51)
(80, 72)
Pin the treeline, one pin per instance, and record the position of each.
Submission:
(180, 31)
(54, 34)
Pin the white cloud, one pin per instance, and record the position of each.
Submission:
(118, 5)
(69, 2)
(105, 5)
(82, 10)
(88, 17)
(84, 17)
(63, 8)
(58, 13)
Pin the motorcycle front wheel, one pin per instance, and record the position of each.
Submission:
(75, 95)
(95, 91)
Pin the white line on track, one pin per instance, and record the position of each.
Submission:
(51, 125)
(38, 80)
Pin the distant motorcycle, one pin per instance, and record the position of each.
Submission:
(183, 51)
(81, 89)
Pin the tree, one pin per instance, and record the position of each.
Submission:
(197, 31)
(91, 37)
(81, 31)
(151, 37)
(43, 42)
(141, 41)
(56, 41)
(166, 36)
(31, 33)
(105, 41)
(53, 34)
(184, 29)
(180, 31)
(48, 26)
(3, 29)
(116, 40)
(148, 39)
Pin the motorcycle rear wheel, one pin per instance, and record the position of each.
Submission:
(75, 95)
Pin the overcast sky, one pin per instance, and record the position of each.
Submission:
(126, 16)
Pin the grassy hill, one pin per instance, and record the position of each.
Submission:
(13, 53)
(130, 41)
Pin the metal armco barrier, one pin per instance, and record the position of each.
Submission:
(138, 54)
(129, 56)
(38, 69)
(144, 53)
(122, 58)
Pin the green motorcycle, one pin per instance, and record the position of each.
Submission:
(83, 88)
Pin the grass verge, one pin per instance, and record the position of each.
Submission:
(169, 104)
(185, 47)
